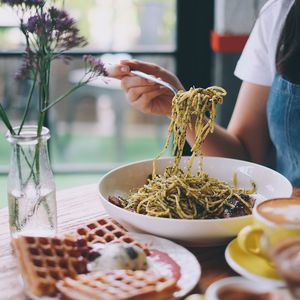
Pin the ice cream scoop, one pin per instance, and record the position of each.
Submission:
(120, 256)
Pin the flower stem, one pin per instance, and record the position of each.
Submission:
(28, 103)
(77, 86)
(5, 120)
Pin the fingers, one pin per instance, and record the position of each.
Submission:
(143, 94)
(123, 68)
(154, 70)
(134, 94)
(129, 82)
(145, 67)
(145, 101)
(151, 99)
(118, 71)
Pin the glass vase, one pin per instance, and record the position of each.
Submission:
(31, 187)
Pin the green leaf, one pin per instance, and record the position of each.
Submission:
(5, 119)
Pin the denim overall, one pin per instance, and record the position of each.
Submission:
(283, 113)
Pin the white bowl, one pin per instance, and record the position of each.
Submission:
(120, 181)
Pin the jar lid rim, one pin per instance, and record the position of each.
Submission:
(28, 134)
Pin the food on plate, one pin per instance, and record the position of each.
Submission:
(162, 263)
(120, 256)
(45, 260)
(207, 198)
(50, 265)
(105, 231)
(117, 285)
(183, 195)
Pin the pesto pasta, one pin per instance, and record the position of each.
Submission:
(178, 194)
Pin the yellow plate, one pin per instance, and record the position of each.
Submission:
(251, 266)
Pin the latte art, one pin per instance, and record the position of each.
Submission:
(281, 211)
(290, 212)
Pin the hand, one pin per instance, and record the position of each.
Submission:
(146, 96)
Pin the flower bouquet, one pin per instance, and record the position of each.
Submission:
(49, 33)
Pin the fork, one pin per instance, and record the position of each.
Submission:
(155, 79)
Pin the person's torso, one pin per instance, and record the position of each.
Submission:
(274, 14)
(257, 62)
(283, 112)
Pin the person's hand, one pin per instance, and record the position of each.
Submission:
(143, 94)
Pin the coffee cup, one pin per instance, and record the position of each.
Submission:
(239, 288)
(286, 257)
(274, 221)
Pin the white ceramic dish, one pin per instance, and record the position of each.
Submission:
(120, 181)
(238, 283)
(190, 270)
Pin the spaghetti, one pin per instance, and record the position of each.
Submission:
(176, 194)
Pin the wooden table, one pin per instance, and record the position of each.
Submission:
(77, 206)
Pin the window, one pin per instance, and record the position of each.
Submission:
(94, 129)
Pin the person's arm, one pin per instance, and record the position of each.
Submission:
(247, 134)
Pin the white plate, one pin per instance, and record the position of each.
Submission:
(121, 181)
(189, 266)
(251, 266)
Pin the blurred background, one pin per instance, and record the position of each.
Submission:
(94, 130)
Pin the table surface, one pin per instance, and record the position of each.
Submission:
(71, 214)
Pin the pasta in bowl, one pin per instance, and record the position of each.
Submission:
(121, 182)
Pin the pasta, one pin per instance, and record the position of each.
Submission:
(178, 194)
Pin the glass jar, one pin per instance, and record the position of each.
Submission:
(31, 187)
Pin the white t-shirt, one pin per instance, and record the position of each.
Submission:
(257, 62)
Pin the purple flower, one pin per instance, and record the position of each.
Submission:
(33, 23)
(28, 3)
(64, 29)
(48, 33)
(27, 65)
(71, 39)
(96, 66)
(55, 28)
(38, 24)
(60, 18)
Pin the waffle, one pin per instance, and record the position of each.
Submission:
(117, 285)
(106, 231)
(44, 261)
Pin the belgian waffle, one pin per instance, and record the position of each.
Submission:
(106, 231)
(117, 285)
(44, 260)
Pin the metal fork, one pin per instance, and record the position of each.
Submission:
(155, 79)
